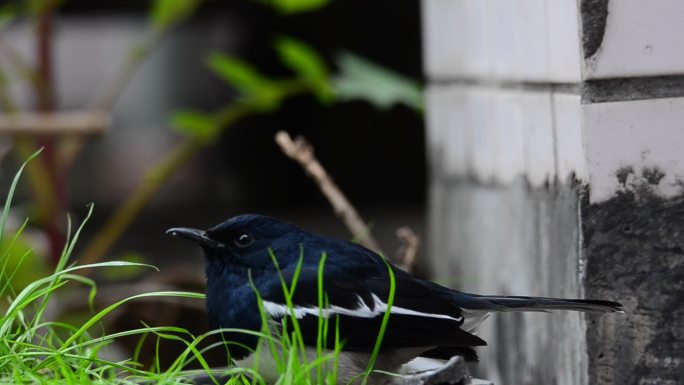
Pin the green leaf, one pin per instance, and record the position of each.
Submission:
(301, 58)
(296, 6)
(195, 124)
(307, 64)
(266, 94)
(237, 73)
(364, 80)
(269, 97)
(164, 13)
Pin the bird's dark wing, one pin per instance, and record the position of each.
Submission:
(419, 317)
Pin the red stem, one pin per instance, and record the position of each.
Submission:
(46, 103)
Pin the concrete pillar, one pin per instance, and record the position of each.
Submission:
(556, 142)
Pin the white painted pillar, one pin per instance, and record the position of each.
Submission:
(556, 141)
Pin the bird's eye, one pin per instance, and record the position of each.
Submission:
(243, 240)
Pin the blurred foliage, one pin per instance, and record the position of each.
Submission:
(265, 93)
(8, 12)
(295, 6)
(307, 64)
(359, 79)
(195, 124)
(5, 100)
(362, 79)
(19, 263)
(165, 13)
(11, 10)
(4, 81)
(38, 6)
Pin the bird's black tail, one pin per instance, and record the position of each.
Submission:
(516, 303)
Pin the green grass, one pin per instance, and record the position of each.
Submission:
(40, 350)
(35, 349)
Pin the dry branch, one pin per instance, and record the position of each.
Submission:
(56, 123)
(406, 255)
(302, 152)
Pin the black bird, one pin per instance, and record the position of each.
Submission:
(426, 319)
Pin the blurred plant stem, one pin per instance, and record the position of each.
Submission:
(39, 177)
(44, 66)
(48, 176)
(41, 182)
(155, 177)
(53, 179)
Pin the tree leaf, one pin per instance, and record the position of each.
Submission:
(307, 64)
(195, 124)
(164, 13)
(265, 93)
(296, 6)
(364, 80)
(301, 58)
(237, 73)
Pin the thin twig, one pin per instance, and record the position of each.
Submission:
(302, 152)
(406, 255)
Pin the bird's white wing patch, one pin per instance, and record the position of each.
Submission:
(362, 310)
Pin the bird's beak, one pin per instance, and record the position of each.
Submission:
(198, 236)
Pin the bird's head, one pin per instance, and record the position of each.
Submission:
(242, 240)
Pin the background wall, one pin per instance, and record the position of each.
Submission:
(555, 136)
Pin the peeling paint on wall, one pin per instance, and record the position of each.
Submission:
(634, 249)
(514, 240)
(621, 89)
(594, 14)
